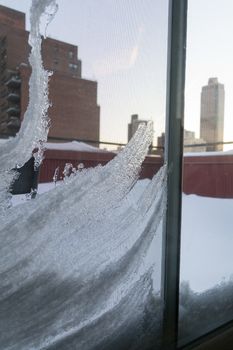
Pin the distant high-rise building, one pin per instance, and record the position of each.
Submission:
(74, 113)
(134, 124)
(212, 114)
(191, 143)
(161, 144)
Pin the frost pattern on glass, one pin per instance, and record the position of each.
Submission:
(34, 128)
(7, 177)
(76, 270)
(78, 257)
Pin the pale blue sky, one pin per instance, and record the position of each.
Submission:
(209, 54)
(123, 45)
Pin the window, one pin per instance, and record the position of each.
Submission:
(206, 237)
(73, 67)
(92, 257)
(71, 54)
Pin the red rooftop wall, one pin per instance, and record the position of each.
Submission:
(58, 158)
(210, 176)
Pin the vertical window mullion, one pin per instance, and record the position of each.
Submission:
(173, 158)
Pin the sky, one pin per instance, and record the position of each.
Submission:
(123, 46)
(209, 54)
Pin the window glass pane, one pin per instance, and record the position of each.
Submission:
(84, 249)
(206, 257)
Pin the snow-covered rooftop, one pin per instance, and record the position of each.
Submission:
(73, 146)
(207, 154)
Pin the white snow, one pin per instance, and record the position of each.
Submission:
(73, 146)
(207, 154)
(207, 241)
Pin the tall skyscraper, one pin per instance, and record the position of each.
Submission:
(212, 114)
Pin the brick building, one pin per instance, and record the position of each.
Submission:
(74, 113)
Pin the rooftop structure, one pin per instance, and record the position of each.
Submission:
(134, 124)
(191, 143)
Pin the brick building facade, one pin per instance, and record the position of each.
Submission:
(74, 113)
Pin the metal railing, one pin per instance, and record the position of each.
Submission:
(96, 142)
(120, 144)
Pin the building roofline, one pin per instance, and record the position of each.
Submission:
(9, 9)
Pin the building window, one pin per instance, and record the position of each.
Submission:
(56, 49)
(71, 54)
(73, 67)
